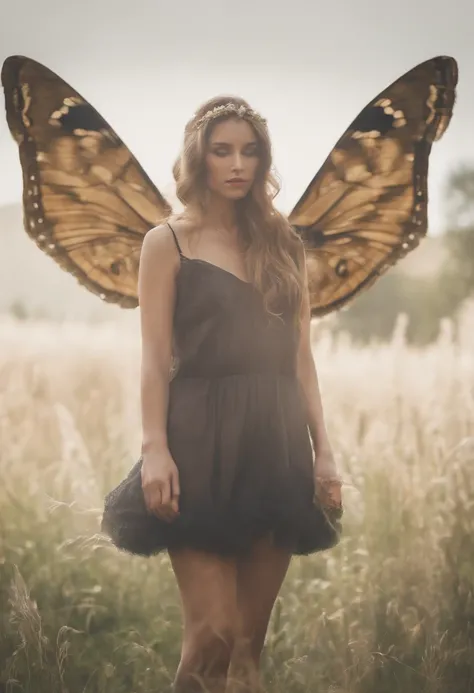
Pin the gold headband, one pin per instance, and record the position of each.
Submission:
(229, 109)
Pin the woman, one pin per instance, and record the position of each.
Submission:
(227, 476)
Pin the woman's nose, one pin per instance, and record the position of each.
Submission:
(237, 162)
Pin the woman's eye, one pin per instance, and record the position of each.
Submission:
(225, 152)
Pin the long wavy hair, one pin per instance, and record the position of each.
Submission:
(274, 255)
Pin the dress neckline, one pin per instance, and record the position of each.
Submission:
(185, 259)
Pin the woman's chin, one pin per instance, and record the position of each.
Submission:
(235, 194)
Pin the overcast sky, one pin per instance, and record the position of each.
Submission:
(307, 66)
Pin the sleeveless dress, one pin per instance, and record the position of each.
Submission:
(236, 430)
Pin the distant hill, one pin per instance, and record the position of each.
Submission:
(30, 278)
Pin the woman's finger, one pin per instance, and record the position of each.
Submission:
(167, 510)
(175, 491)
(166, 492)
(148, 499)
(329, 492)
(159, 501)
(155, 500)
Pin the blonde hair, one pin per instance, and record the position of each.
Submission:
(274, 254)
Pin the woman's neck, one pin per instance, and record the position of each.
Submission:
(221, 215)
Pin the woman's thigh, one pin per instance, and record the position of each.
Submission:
(230, 597)
(208, 589)
(259, 578)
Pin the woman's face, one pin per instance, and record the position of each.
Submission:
(232, 158)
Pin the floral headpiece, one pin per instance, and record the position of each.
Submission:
(229, 109)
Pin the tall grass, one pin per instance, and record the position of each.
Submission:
(390, 610)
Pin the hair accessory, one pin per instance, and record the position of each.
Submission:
(229, 109)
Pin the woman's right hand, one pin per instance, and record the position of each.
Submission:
(160, 484)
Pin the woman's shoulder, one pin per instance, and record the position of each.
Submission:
(183, 228)
(160, 236)
(180, 222)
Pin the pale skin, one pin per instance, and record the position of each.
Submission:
(227, 602)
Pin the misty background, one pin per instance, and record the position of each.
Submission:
(308, 67)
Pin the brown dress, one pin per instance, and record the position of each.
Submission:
(236, 427)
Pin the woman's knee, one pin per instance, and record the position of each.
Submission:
(209, 644)
(205, 657)
(249, 645)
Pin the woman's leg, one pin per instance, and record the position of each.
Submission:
(259, 578)
(208, 587)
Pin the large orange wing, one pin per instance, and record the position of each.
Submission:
(367, 206)
(87, 202)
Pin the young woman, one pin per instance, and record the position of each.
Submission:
(230, 483)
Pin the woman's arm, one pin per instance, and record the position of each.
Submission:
(307, 375)
(156, 292)
(159, 263)
(326, 477)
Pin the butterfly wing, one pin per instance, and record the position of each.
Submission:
(367, 206)
(86, 200)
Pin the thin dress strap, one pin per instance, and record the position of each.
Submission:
(176, 241)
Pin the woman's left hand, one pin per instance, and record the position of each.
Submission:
(327, 479)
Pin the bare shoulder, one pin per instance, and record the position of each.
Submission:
(159, 248)
(183, 229)
(157, 238)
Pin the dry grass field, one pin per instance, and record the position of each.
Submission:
(390, 610)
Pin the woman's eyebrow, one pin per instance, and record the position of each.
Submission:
(228, 144)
